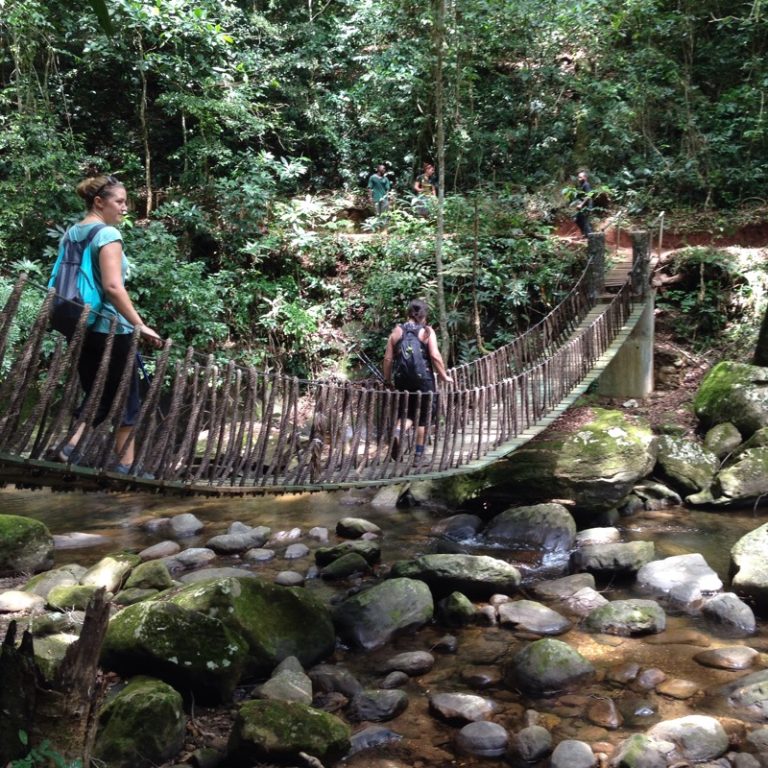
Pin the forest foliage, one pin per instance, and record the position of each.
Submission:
(245, 132)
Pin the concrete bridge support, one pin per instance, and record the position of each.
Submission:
(630, 373)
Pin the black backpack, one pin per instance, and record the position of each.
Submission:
(75, 284)
(411, 365)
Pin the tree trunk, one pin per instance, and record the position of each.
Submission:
(144, 124)
(63, 712)
(761, 348)
(440, 233)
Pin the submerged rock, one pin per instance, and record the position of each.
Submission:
(461, 707)
(533, 617)
(483, 739)
(377, 706)
(627, 618)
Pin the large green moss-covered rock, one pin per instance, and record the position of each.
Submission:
(735, 393)
(275, 621)
(142, 726)
(547, 665)
(595, 467)
(26, 546)
(279, 731)
(193, 652)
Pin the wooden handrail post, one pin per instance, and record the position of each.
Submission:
(641, 262)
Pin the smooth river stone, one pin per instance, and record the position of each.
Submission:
(483, 739)
(481, 677)
(461, 706)
(78, 540)
(411, 662)
(624, 673)
(677, 688)
(735, 657)
(604, 713)
(15, 601)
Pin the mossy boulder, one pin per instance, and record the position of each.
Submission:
(278, 731)
(195, 653)
(50, 651)
(736, 393)
(744, 480)
(477, 576)
(687, 466)
(545, 527)
(26, 546)
(547, 665)
(153, 574)
(43, 583)
(111, 571)
(142, 726)
(749, 567)
(594, 467)
(275, 621)
(723, 439)
(69, 598)
(370, 550)
(627, 618)
(370, 618)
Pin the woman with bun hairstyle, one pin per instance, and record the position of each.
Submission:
(106, 201)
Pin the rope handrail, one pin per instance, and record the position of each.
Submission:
(211, 428)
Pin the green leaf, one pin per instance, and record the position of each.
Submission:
(102, 14)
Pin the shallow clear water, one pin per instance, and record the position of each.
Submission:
(119, 519)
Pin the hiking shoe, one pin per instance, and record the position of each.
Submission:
(68, 454)
(125, 469)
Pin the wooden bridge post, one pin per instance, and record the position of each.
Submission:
(596, 253)
(630, 373)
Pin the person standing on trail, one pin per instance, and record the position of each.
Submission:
(583, 203)
(425, 187)
(411, 360)
(106, 201)
(378, 190)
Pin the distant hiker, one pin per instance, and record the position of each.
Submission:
(378, 190)
(583, 203)
(425, 187)
(411, 358)
(106, 199)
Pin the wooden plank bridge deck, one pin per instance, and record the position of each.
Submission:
(232, 431)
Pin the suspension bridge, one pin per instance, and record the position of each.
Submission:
(225, 430)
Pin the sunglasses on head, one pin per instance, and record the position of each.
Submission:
(111, 181)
